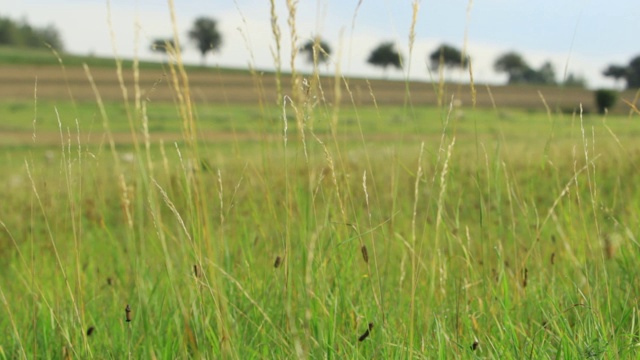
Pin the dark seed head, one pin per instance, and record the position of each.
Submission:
(109, 281)
(195, 271)
(474, 346)
(90, 330)
(365, 335)
(525, 277)
(277, 263)
(365, 254)
(553, 258)
(127, 312)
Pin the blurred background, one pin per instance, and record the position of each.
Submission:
(574, 40)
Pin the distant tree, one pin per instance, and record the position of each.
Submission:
(449, 57)
(575, 81)
(546, 74)
(8, 32)
(514, 65)
(206, 36)
(520, 72)
(384, 55)
(633, 73)
(49, 35)
(316, 49)
(24, 35)
(617, 72)
(162, 45)
(630, 73)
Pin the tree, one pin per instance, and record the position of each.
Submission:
(514, 65)
(633, 73)
(546, 74)
(48, 35)
(316, 50)
(617, 72)
(520, 72)
(575, 81)
(630, 73)
(8, 32)
(449, 57)
(163, 45)
(206, 36)
(384, 55)
(605, 99)
(22, 34)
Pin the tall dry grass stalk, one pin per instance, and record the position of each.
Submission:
(334, 178)
(35, 109)
(441, 198)
(16, 333)
(465, 52)
(415, 7)
(292, 9)
(120, 75)
(105, 118)
(263, 97)
(63, 68)
(287, 228)
(414, 255)
(377, 295)
(74, 188)
(277, 58)
(205, 245)
(591, 174)
(72, 297)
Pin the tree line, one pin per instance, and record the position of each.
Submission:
(21, 34)
(206, 37)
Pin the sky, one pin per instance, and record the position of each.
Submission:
(578, 36)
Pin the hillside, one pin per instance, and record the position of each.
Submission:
(215, 85)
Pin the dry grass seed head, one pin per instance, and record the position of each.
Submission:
(609, 247)
(65, 353)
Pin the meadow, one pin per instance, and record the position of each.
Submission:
(313, 225)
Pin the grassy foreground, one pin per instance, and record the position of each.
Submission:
(401, 233)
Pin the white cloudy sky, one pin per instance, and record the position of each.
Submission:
(582, 35)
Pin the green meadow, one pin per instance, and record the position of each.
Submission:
(283, 232)
(315, 227)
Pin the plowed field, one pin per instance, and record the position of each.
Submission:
(19, 81)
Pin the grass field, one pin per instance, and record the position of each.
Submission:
(40, 72)
(326, 226)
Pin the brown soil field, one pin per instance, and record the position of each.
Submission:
(214, 86)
